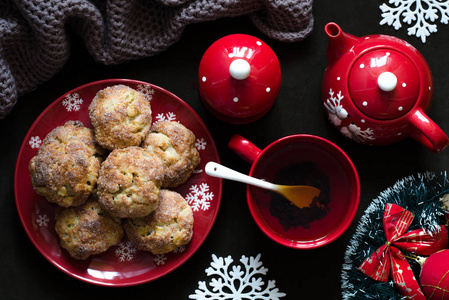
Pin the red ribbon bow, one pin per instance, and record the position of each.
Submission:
(388, 257)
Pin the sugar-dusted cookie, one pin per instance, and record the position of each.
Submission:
(121, 117)
(129, 182)
(65, 168)
(175, 145)
(87, 229)
(167, 228)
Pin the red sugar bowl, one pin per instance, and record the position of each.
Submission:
(239, 78)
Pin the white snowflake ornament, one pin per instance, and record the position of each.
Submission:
(235, 282)
(420, 14)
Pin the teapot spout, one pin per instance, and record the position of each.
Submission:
(340, 42)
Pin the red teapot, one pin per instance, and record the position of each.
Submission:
(377, 89)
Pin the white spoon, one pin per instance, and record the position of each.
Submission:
(300, 195)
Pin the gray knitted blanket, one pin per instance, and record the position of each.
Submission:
(35, 43)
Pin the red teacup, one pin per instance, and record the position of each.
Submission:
(297, 160)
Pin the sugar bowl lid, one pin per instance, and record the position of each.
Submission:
(384, 84)
(239, 78)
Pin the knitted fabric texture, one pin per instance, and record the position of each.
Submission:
(35, 39)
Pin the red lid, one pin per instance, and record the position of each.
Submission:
(384, 84)
(239, 77)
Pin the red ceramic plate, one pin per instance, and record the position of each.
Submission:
(121, 265)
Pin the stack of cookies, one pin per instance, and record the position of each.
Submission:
(116, 178)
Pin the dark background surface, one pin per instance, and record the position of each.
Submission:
(311, 274)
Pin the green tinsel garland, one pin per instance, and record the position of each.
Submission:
(420, 195)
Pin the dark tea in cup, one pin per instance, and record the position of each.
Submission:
(301, 160)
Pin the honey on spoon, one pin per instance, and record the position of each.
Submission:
(300, 195)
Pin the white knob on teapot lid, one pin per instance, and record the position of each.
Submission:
(239, 69)
(387, 81)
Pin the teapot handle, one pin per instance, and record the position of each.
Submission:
(428, 133)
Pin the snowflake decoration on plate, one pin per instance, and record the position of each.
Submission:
(200, 144)
(422, 13)
(42, 220)
(179, 249)
(170, 116)
(72, 102)
(35, 142)
(199, 197)
(125, 251)
(160, 259)
(236, 282)
(146, 90)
